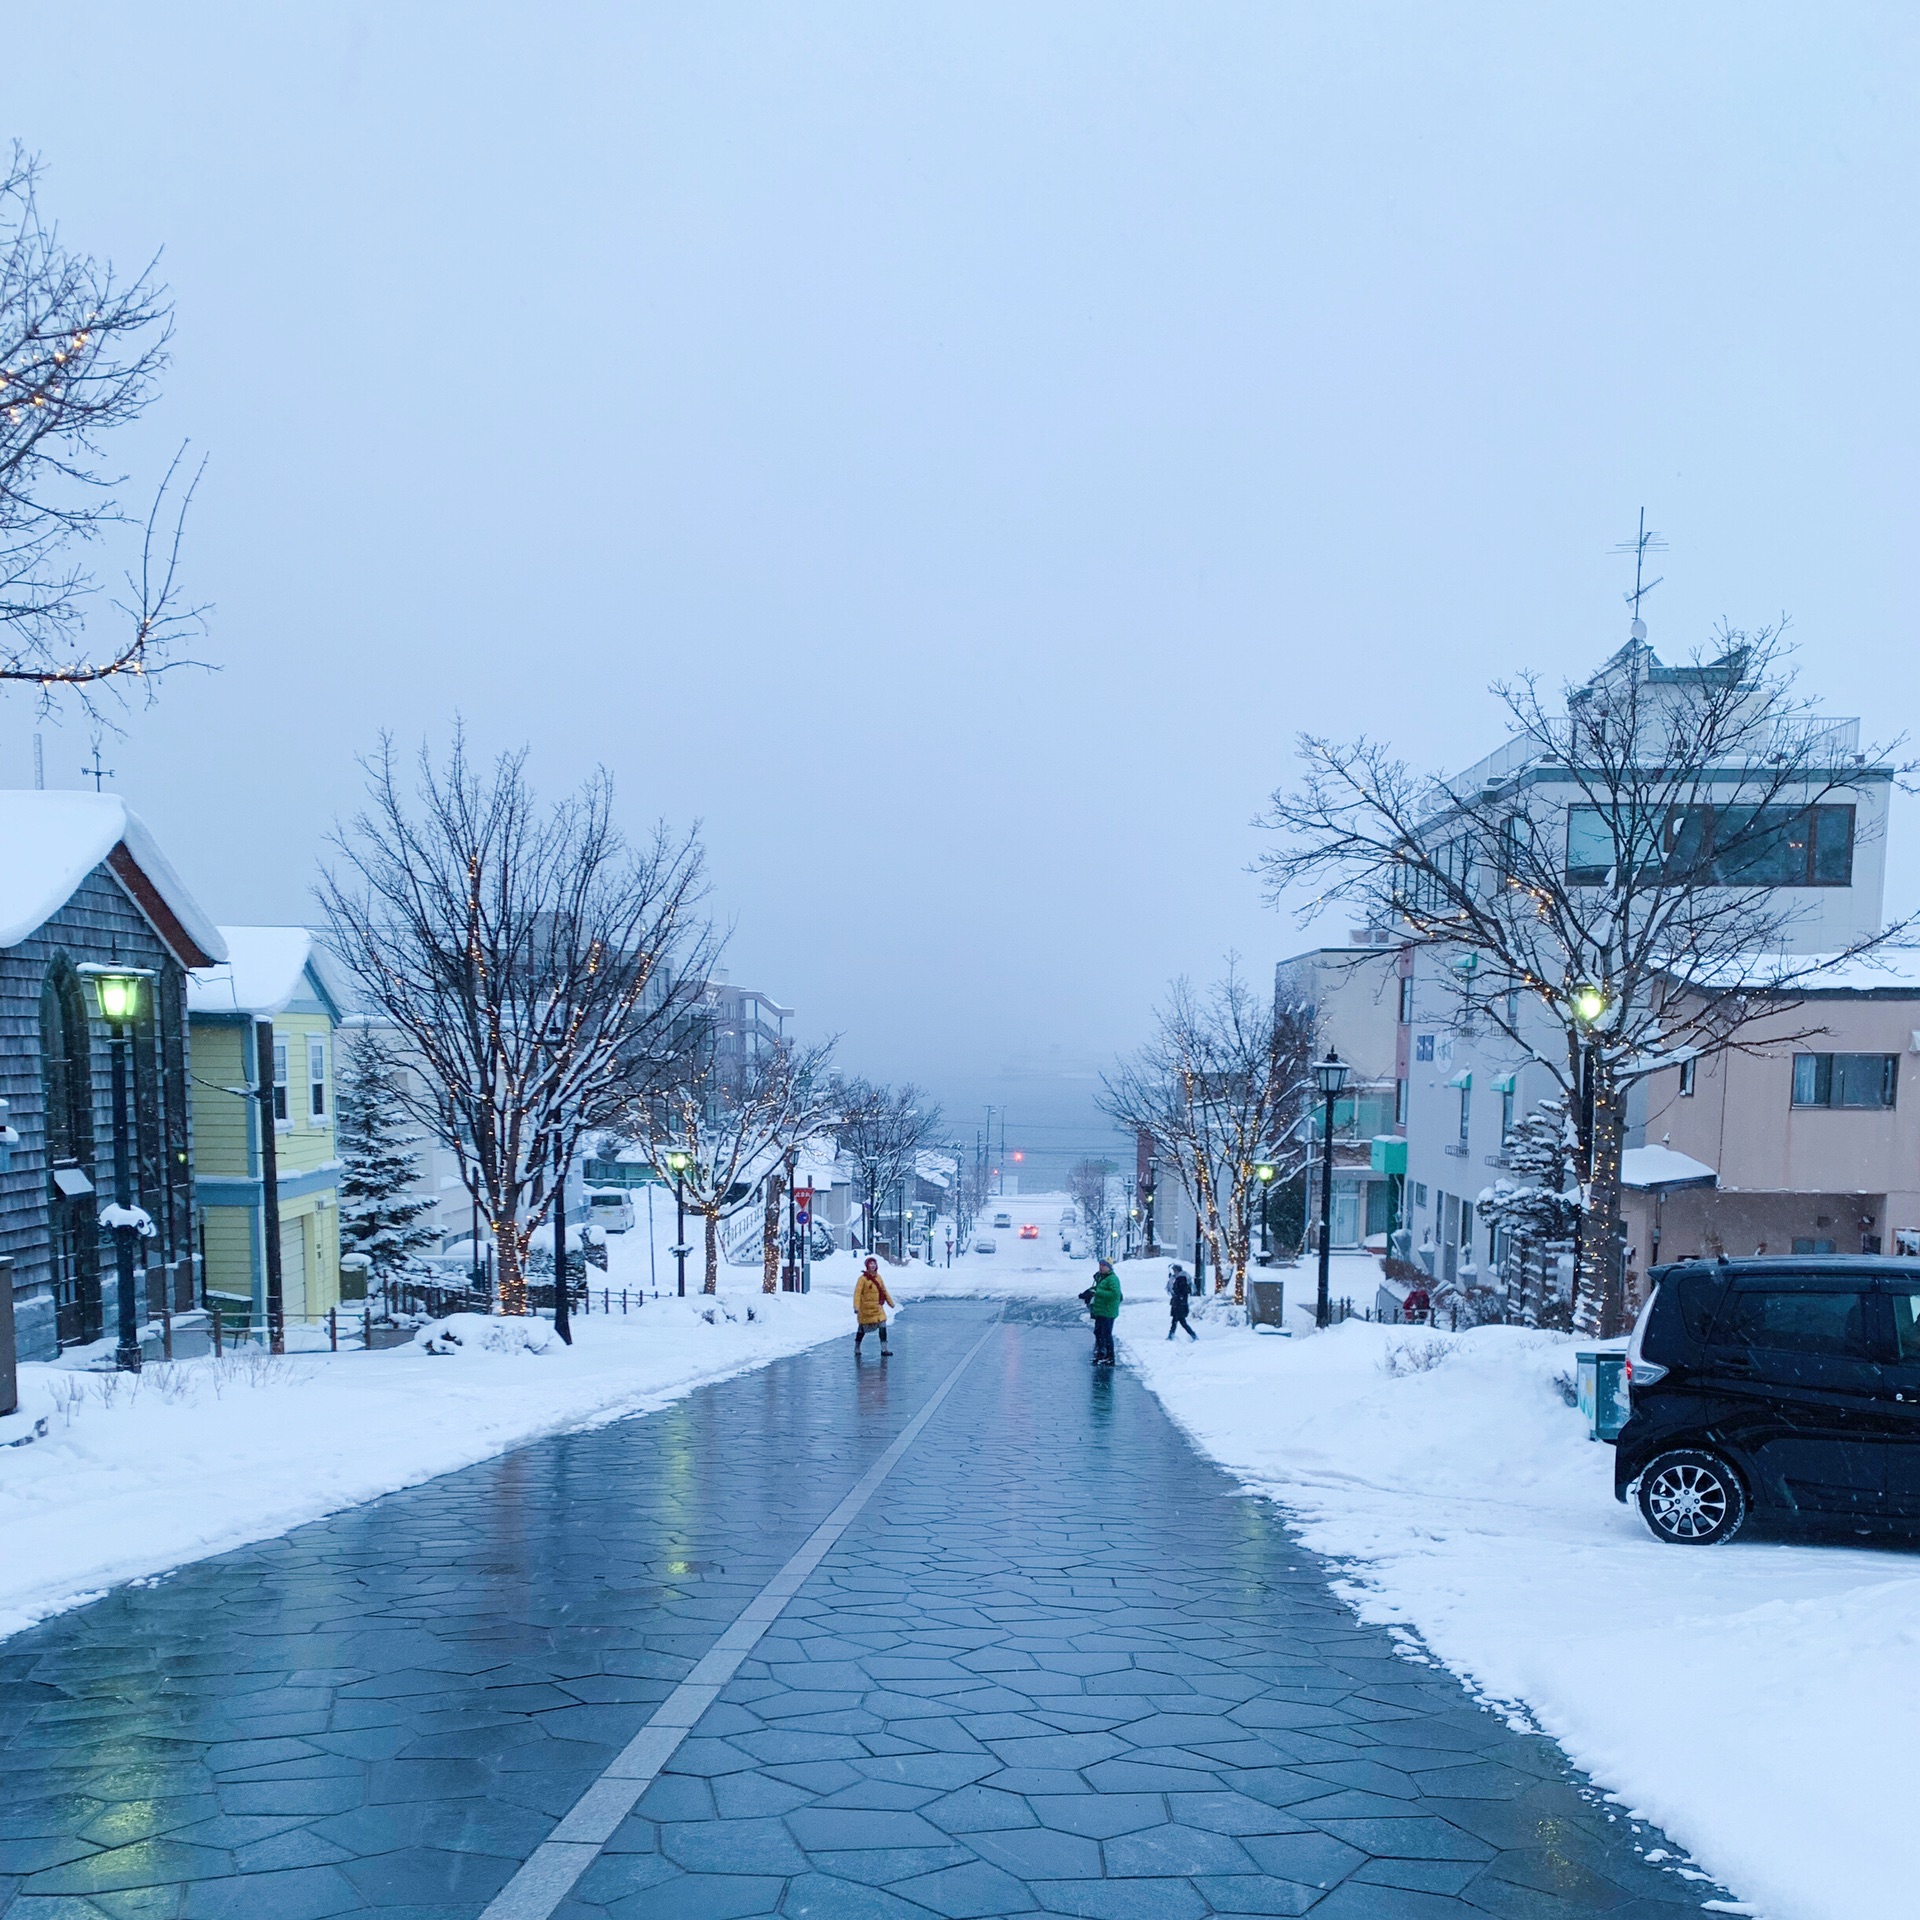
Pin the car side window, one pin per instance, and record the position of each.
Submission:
(1831, 1324)
(1906, 1325)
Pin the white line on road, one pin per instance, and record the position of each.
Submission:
(548, 1875)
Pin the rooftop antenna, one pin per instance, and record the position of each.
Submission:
(1644, 543)
(98, 774)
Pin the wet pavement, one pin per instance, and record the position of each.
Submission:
(1057, 1664)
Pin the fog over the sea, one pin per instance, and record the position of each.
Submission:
(951, 449)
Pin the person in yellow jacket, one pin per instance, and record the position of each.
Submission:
(870, 1303)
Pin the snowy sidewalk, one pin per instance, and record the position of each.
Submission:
(138, 1474)
(1750, 1699)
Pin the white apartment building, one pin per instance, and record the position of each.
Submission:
(1466, 1084)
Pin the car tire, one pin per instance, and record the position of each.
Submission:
(1691, 1498)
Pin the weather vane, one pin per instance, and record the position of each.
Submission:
(99, 774)
(1645, 543)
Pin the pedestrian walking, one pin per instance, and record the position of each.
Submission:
(1103, 1302)
(870, 1303)
(1179, 1298)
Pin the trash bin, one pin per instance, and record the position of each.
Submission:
(1601, 1374)
(1266, 1304)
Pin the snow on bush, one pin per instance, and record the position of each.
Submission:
(471, 1333)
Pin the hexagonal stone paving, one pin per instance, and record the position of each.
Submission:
(1057, 1666)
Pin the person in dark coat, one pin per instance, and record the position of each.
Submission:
(1179, 1298)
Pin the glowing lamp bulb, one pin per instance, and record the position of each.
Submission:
(119, 996)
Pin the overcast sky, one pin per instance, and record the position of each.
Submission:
(951, 449)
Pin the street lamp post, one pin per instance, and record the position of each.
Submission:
(119, 1002)
(1330, 1077)
(678, 1162)
(1264, 1173)
(1590, 1004)
(562, 1308)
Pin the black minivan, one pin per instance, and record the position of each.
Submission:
(1784, 1387)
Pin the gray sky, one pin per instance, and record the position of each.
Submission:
(951, 449)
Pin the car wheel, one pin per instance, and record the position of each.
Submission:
(1692, 1499)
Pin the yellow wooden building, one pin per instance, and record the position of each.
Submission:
(272, 979)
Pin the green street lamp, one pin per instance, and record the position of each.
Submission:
(118, 990)
(1590, 1004)
(1264, 1173)
(680, 1162)
(1330, 1078)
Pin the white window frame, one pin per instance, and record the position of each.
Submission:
(282, 1098)
(317, 1088)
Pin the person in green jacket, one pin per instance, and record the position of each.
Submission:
(1103, 1302)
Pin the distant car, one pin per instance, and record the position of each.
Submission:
(985, 1243)
(1029, 1232)
(1003, 1219)
(611, 1208)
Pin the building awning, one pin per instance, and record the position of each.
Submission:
(1662, 1170)
(1464, 1079)
(1387, 1154)
(1505, 1082)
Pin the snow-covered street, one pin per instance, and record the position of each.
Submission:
(139, 1474)
(1747, 1698)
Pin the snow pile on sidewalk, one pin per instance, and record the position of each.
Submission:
(1755, 1700)
(471, 1334)
(141, 1473)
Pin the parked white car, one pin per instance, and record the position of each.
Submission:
(985, 1243)
(611, 1208)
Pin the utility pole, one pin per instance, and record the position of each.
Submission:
(270, 1187)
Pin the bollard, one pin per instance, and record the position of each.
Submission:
(366, 1327)
(166, 1331)
(333, 1328)
(216, 1333)
(623, 1299)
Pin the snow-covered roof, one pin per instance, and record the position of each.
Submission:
(1893, 970)
(50, 842)
(1647, 1167)
(265, 972)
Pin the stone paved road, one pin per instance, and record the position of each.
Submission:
(1056, 1665)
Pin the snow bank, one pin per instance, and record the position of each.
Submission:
(469, 1335)
(1755, 1700)
(138, 1474)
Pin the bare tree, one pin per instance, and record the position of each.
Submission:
(1617, 881)
(81, 354)
(1089, 1183)
(881, 1130)
(1221, 1088)
(523, 955)
(770, 1232)
(721, 1128)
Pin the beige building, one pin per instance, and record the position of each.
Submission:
(1354, 994)
(1811, 1136)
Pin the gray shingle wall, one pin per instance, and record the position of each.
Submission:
(101, 925)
